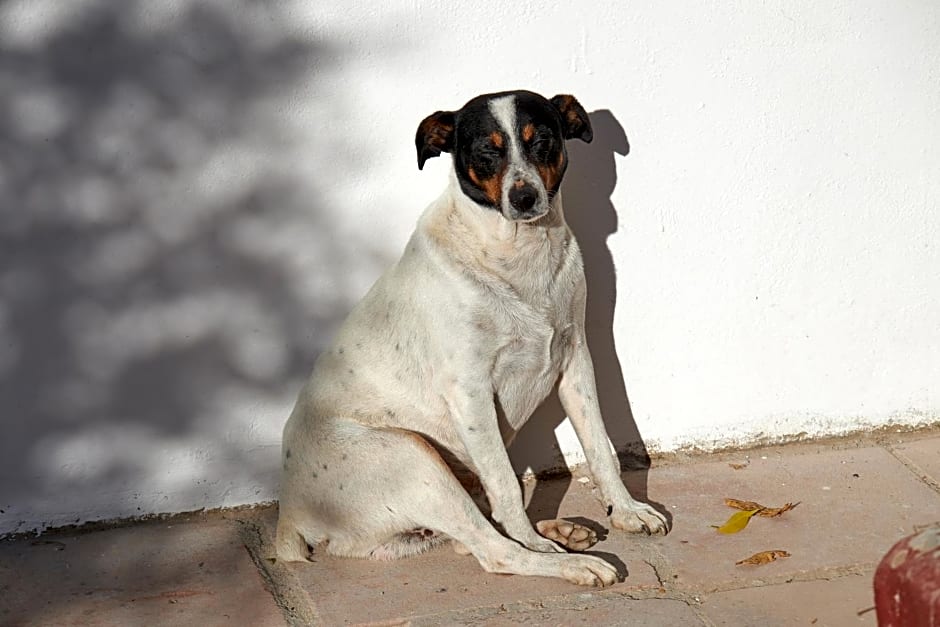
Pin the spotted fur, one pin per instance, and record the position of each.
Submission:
(485, 308)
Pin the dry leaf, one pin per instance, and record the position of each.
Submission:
(764, 557)
(738, 466)
(745, 505)
(737, 522)
(765, 512)
(773, 512)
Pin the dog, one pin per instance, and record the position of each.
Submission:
(448, 355)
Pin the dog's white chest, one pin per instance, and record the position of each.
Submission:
(528, 365)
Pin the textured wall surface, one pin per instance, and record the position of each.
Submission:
(193, 194)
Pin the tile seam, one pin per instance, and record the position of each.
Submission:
(919, 473)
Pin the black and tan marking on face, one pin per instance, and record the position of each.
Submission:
(534, 141)
(509, 148)
(542, 139)
(481, 153)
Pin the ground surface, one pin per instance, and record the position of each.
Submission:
(857, 498)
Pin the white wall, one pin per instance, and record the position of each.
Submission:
(193, 194)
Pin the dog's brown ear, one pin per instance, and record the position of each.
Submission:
(574, 118)
(435, 135)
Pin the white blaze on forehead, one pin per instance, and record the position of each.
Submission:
(504, 111)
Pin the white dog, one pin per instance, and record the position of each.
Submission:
(446, 358)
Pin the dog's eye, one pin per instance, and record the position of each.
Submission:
(541, 147)
(489, 157)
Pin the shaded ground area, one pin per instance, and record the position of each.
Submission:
(857, 498)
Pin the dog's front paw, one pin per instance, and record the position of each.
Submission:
(639, 518)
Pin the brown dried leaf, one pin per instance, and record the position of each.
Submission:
(738, 466)
(764, 557)
(765, 512)
(745, 505)
(773, 512)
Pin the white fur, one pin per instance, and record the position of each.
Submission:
(478, 308)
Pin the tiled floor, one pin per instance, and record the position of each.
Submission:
(856, 500)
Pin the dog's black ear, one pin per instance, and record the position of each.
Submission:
(574, 118)
(435, 135)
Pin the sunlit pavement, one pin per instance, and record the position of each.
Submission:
(856, 497)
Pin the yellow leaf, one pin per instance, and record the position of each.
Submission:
(764, 557)
(737, 522)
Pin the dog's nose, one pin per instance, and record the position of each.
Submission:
(523, 198)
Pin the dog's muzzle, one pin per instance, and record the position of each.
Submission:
(523, 198)
(525, 202)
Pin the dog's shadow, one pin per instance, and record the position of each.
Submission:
(587, 188)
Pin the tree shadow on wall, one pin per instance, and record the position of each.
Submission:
(587, 188)
(153, 248)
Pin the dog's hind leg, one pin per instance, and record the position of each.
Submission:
(375, 493)
(570, 535)
(334, 497)
(430, 497)
(408, 543)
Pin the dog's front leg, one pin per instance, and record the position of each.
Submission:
(577, 391)
(475, 420)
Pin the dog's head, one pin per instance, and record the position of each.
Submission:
(509, 148)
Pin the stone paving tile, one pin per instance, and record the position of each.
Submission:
(146, 574)
(349, 591)
(833, 603)
(925, 454)
(345, 591)
(855, 504)
(610, 613)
